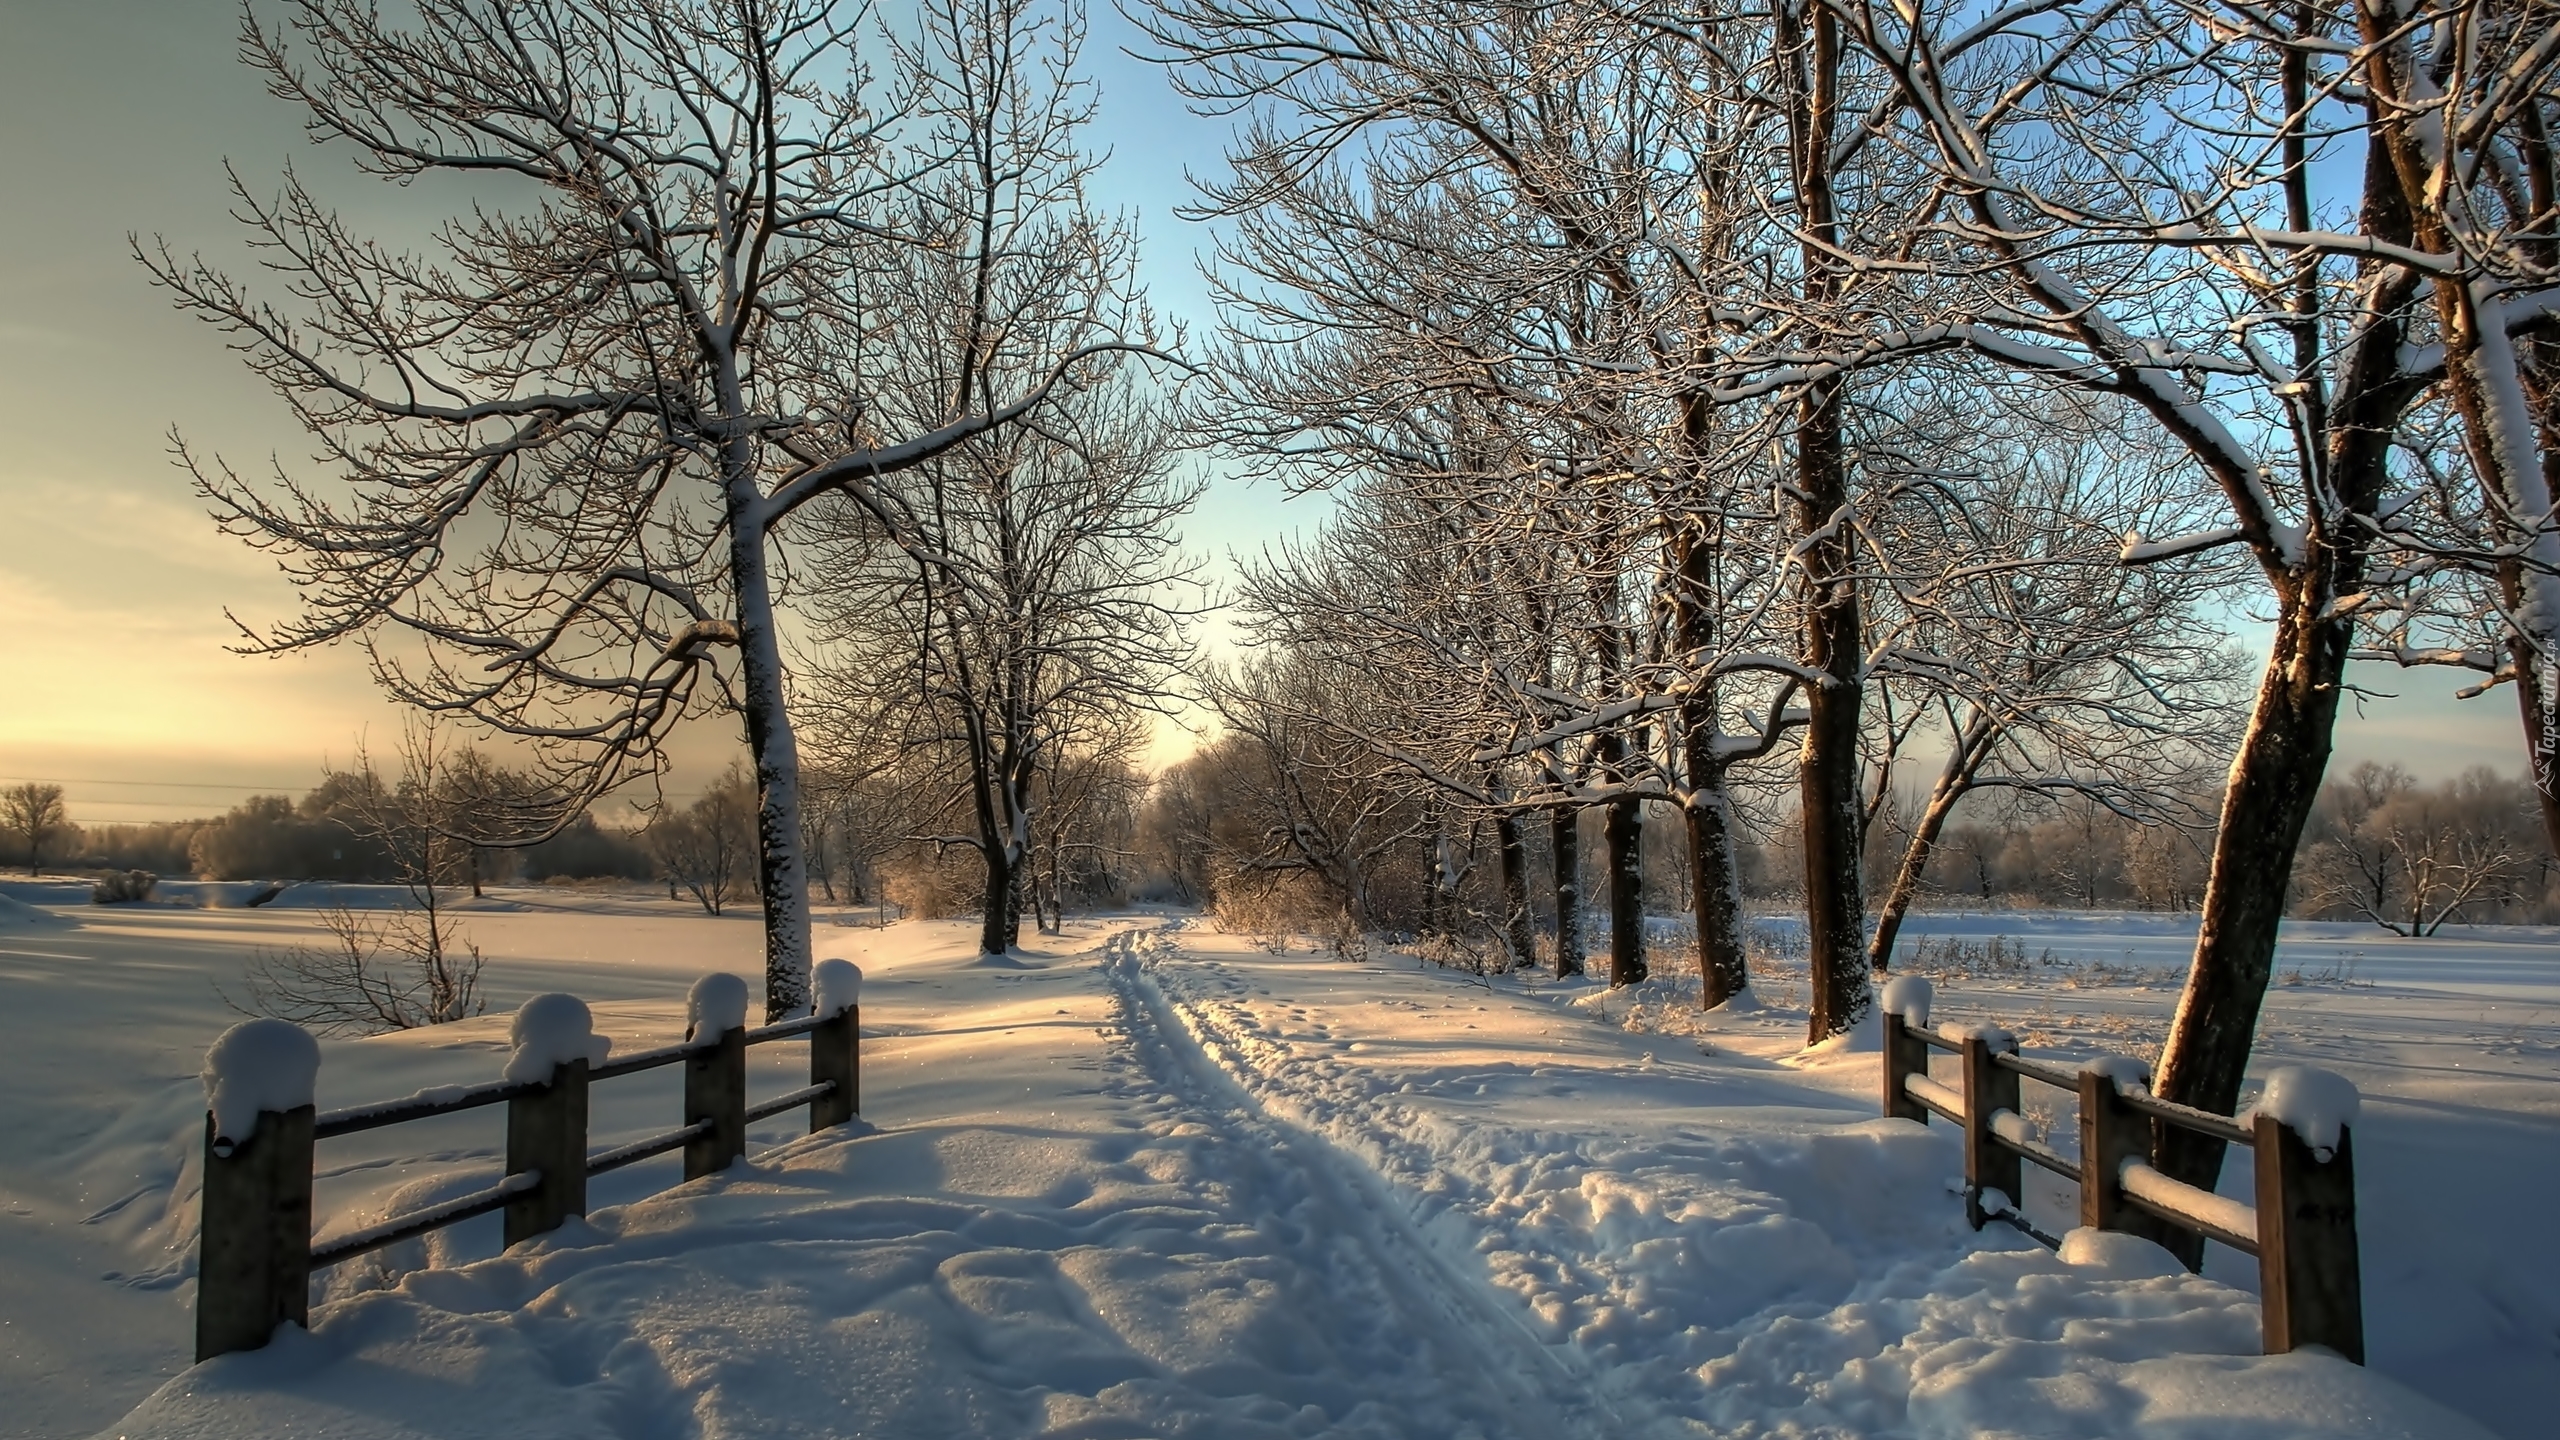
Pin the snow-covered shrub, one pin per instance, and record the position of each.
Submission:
(1953, 957)
(925, 889)
(1346, 939)
(122, 887)
(1271, 903)
(1480, 954)
(374, 973)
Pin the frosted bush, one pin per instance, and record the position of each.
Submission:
(123, 887)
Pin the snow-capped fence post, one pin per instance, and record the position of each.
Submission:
(556, 1043)
(2112, 1133)
(257, 1255)
(835, 1058)
(253, 1263)
(2310, 1282)
(715, 1096)
(715, 1075)
(1989, 1168)
(1906, 1048)
(547, 1138)
(253, 1270)
(2301, 1228)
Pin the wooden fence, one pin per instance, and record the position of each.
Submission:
(256, 1257)
(2302, 1228)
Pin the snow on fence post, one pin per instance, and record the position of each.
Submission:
(253, 1265)
(1990, 1168)
(835, 1057)
(1906, 1051)
(556, 1043)
(2111, 1133)
(715, 1075)
(2310, 1282)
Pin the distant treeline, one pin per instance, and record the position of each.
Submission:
(275, 837)
(2381, 847)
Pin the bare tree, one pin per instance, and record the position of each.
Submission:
(2260, 308)
(410, 966)
(997, 607)
(36, 815)
(705, 848)
(566, 441)
(2043, 666)
(1635, 234)
(1314, 799)
(2410, 858)
(2462, 103)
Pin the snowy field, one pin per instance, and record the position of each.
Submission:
(1149, 1179)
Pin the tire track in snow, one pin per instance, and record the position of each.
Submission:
(1373, 1216)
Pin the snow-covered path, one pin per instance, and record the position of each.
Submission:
(1096, 1236)
(1457, 1361)
(1726, 1249)
(1157, 1180)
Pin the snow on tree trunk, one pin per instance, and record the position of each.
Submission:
(781, 880)
(2538, 698)
(996, 915)
(1715, 884)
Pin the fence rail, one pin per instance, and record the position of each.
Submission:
(256, 1257)
(2302, 1230)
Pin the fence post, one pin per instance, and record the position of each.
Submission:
(547, 1133)
(835, 1056)
(715, 1090)
(2310, 1283)
(253, 1265)
(1905, 1053)
(835, 1045)
(1989, 1165)
(2111, 1133)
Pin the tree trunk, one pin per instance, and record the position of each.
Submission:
(2274, 782)
(782, 882)
(2538, 697)
(1515, 888)
(995, 912)
(1057, 921)
(1714, 876)
(1564, 840)
(2513, 441)
(1624, 831)
(1833, 816)
(1622, 838)
(1715, 881)
(2275, 779)
(1915, 865)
